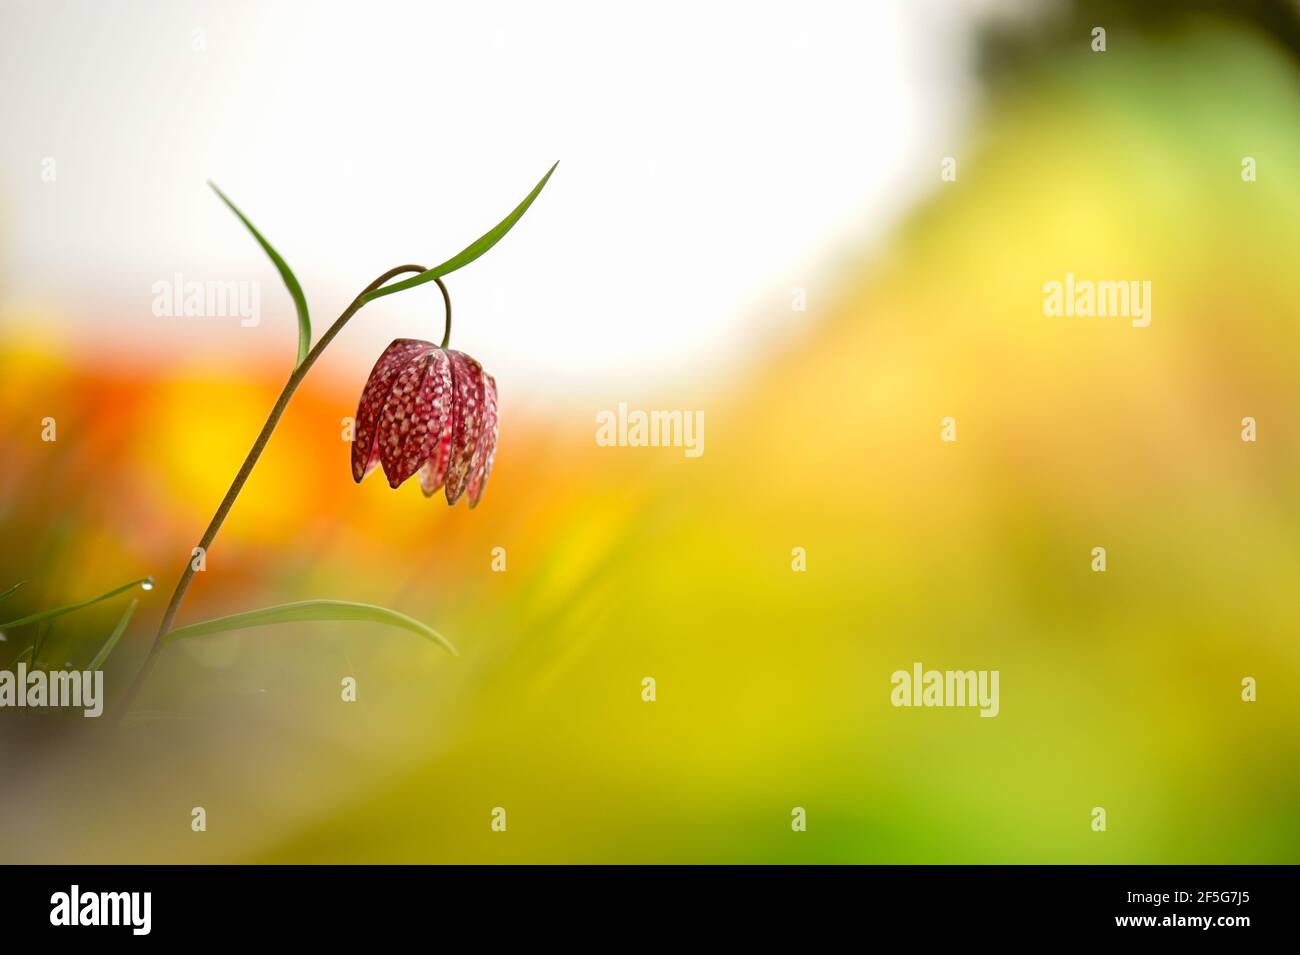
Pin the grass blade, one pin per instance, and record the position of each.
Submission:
(305, 610)
(5, 596)
(470, 252)
(113, 637)
(145, 582)
(286, 273)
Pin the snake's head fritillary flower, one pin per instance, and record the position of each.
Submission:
(431, 410)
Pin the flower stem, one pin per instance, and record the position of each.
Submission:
(227, 502)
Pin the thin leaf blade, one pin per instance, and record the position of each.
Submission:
(286, 275)
(111, 643)
(10, 592)
(472, 251)
(311, 611)
(146, 582)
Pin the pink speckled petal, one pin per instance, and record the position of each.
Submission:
(487, 442)
(434, 472)
(396, 357)
(400, 423)
(432, 420)
(467, 378)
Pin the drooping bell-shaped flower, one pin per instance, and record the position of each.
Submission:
(431, 410)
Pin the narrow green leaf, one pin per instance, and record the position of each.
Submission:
(113, 637)
(310, 610)
(145, 582)
(470, 252)
(286, 273)
(38, 641)
(6, 595)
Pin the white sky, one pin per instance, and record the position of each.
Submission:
(713, 155)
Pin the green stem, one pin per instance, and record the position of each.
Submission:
(295, 379)
(446, 300)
